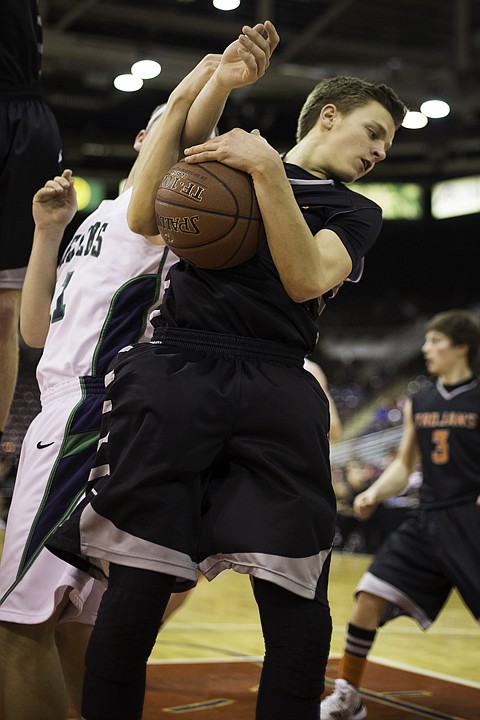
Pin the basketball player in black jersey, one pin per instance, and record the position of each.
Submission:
(439, 547)
(218, 452)
(30, 154)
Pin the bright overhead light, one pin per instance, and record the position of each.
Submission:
(146, 69)
(226, 4)
(414, 120)
(435, 108)
(128, 83)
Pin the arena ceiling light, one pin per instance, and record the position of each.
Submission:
(226, 5)
(146, 69)
(128, 83)
(435, 108)
(414, 120)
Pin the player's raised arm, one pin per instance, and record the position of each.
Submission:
(161, 148)
(242, 63)
(53, 208)
(192, 111)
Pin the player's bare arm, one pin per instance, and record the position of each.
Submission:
(53, 208)
(396, 475)
(193, 109)
(308, 265)
(242, 63)
(161, 149)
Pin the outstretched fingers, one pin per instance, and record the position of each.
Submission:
(259, 42)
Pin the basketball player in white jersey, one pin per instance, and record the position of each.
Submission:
(107, 281)
(98, 301)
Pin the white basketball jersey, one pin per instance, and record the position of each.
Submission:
(108, 281)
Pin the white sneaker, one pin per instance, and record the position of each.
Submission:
(345, 703)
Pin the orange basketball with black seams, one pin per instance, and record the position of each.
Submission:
(208, 214)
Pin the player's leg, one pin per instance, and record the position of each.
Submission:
(9, 317)
(29, 651)
(72, 640)
(297, 633)
(30, 150)
(345, 701)
(406, 577)
(127, 625)
(34, 583)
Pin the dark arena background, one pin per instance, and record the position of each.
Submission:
(207, 659)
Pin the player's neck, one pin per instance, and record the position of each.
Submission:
(456, 375)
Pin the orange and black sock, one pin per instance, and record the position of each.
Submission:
(358, 643)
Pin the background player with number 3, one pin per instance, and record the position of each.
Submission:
(438, 548)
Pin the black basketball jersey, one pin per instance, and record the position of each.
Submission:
(249, 300)
(448, 431)
(20, 48)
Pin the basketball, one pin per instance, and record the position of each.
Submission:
(208, 215)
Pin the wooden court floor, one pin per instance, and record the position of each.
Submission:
(207, 659)
(220, 619)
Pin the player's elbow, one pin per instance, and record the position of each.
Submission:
(303, 283)
(303, 288)
(140, 223)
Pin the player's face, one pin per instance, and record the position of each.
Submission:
(440, 354)
(358, 141)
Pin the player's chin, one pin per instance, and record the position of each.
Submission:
(348, 176)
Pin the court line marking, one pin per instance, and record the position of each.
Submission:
(219, 627)
(417, 670)
(334, 656)
(418, 710)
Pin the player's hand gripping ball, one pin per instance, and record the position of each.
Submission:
(208, 214)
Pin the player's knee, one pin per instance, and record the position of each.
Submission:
(123, 635)
(368, 609)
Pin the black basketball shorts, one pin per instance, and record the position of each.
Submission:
(428, 555)
(213, 461)
(30, 154)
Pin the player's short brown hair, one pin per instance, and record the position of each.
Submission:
(347, 94)
(462, 327)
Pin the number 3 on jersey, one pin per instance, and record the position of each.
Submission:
(59, 311)
(441, 450)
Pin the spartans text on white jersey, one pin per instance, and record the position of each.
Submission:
(108, 281)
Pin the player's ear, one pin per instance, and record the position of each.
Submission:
(327, 116)
(462, 350)
(137, 143)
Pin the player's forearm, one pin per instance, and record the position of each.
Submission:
(152, 164)
(205, 112)
(39, 286)
(391, 481)
(242, 63)
(308, 265)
